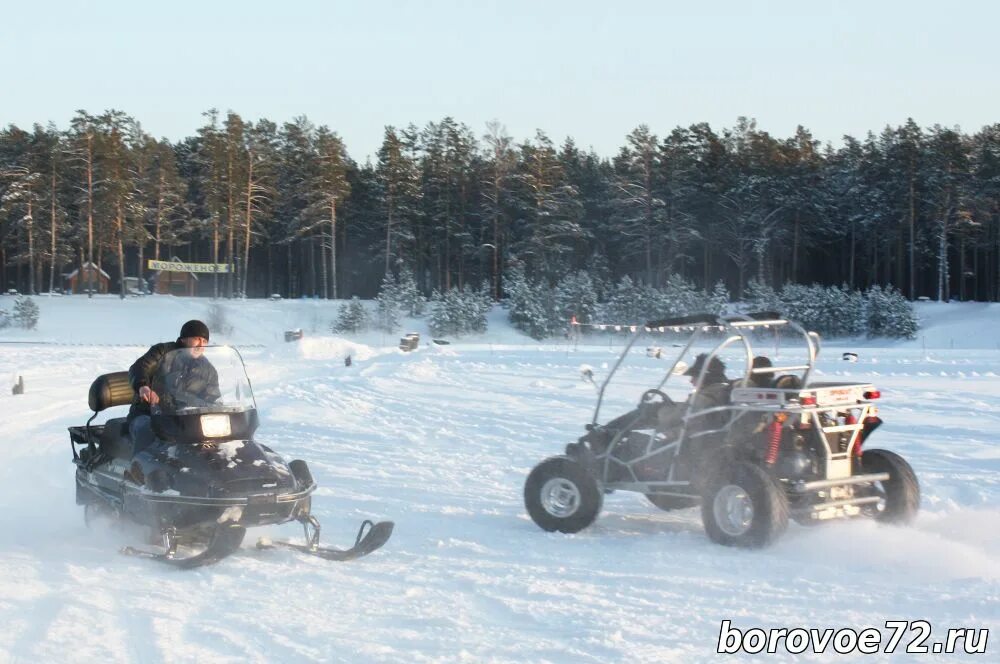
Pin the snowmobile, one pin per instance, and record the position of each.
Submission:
(203, 479)
(775, 446)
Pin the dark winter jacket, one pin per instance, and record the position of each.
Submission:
(195, 378)
(713, 393)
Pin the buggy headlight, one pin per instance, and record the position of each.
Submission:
(215, 426)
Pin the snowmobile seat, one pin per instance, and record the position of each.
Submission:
(110, 390)
(114, 439)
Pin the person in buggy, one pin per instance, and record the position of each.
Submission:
(761, 379)
(190, 380)
(714, 392)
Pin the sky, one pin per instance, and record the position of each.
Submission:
(590, 70)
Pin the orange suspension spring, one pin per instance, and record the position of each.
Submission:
(774, 442)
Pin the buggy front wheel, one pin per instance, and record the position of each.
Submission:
(561, 495)
(743, 506)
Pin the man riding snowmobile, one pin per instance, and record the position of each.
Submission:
(200, 479)
(192, 376)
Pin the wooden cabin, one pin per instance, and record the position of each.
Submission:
(175, 283)
(78, 280)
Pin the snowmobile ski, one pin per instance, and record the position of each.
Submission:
(224, 541)
(371, 537)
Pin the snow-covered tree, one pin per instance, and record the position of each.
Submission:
(353, 317)
(847, 312)
(549, 210)
(625, 304)
(399, 180)
(17, 202)
(519, 299)
(387, 305)
(441, 316)
(717, 300)
(576, 296)
(805, 305)
(679, 297)
(386, 314)
(398, 296)
(477, 304)
(26, 313)
(408, 296)
(533, 307)
(639, 214)
(758, 296)
(328, 190)
(890, 314)
(459, 311)
(832, 311)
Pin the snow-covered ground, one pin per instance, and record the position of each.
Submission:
(440, 441)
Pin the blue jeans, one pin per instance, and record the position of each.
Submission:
(140, 430)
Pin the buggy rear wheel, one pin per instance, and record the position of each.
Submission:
(900, 493)
(743, 506)
(560, 495)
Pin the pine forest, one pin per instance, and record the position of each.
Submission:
(291, 213)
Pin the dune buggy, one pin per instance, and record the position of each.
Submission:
(778, 446)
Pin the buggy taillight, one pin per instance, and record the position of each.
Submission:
(872, 394)
(807, 399)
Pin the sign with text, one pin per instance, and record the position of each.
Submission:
(177, 266)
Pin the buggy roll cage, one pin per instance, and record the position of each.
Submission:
(737, 326)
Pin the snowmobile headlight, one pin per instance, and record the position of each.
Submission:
(215, 426)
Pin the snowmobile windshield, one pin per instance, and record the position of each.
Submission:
(209, 379)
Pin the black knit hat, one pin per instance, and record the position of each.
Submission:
(194, 328)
